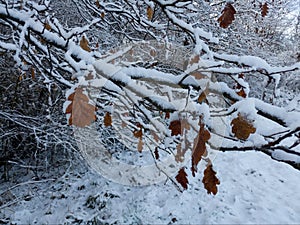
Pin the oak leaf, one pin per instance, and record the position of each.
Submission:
(210, 180)
(264, 9)
(242, 127)
(81, 112)
(195, 59)
(227, 16)
(84, 44)
(177, 126)
(47, 26)
(107, 119)
(138, 133)
(181, 177)
(32, 72)
(149, 13)
(199, 148)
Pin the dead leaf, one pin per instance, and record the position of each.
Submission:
(138, 133)
(182, 178)
(82, 113)
(97, 4)
(107, 119)
(210, 180)
(167, 116)
(241, 93)
(241, 127)
(150, 13)
(227, 16)
(264, 9)
(199, 148)
(177, 126)
(32, 72)
(155, 136)
(47, 26)
(203, 95)
(156, 155)
(84, 44)
(198, 75)
(195, 59)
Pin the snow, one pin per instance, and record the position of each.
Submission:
(254, 190)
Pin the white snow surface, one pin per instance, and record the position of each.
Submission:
(254, 189)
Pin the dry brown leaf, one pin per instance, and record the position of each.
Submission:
(195, 59)
(82, 113)
(102, 15)
(156, 153)
(84, 44)
(198, 75)
(227, 16)
(177, 127)
(97, 4)
(153, 52)
(202, 96)
(32, 72)
(155, 136)
(167, 116)
(182, 178)
(210, 180)
(47, 26)
(138, 133)
(264, 9)
(140, 145)
(199, 148)
(150, 13)
(241, 127)
(107, 119)
(241, 93)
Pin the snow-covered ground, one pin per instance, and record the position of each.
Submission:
(254, 189)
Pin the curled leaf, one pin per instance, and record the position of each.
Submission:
(199, 148)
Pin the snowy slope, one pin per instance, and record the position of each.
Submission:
(254, 189)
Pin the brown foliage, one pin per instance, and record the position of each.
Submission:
(149, 13)
(264, 9)
(227, 16)
(84, 44)
(177, 126)
(82, 113)
(199, 148)
(107, 119)
(182, 178)
(241, 127)
(210, 180)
